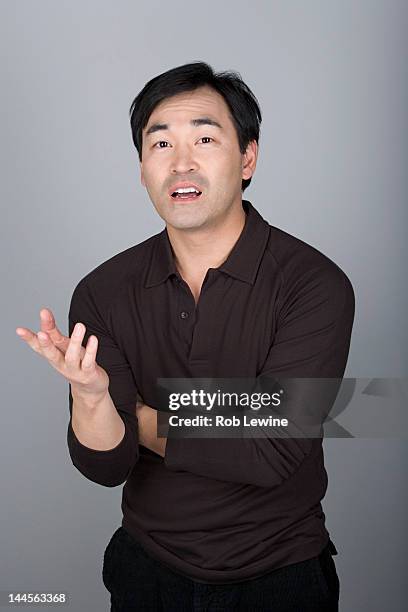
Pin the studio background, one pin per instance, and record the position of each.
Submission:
(331, 80)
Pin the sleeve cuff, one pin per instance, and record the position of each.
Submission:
(107, 467)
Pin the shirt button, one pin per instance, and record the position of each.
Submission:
(184, 314)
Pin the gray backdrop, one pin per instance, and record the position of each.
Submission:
(332, 83)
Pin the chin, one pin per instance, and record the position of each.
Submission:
(185, 224)
(184, 219)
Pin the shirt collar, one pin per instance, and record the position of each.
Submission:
(242, 262)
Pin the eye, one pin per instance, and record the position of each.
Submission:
(207, 138)
(159, 142)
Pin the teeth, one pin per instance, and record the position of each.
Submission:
(187, 190)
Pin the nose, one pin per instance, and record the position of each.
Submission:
(183, 161)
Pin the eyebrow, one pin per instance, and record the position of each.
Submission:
(156, 127)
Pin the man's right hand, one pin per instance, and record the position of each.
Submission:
(67, 355)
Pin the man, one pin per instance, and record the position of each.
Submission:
(208, 524)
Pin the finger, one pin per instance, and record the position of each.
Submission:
(50, 351)
(49, 326)
(88, 361)
(73, 352)
(29, 337)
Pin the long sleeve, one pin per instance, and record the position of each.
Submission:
(106, 467)
(313, 330)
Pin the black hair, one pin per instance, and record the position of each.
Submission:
(243, 105)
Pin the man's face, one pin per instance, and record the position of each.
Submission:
(177, 149)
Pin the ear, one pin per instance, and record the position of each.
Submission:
(249, 159)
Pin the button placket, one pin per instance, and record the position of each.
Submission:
(185, 312)
(205, 312)
(197, 340)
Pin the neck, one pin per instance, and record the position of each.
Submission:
(199, 249)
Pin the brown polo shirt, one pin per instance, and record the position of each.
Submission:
(216, 510)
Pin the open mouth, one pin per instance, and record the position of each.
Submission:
(186, 196)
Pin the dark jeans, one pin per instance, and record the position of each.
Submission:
(136, 582)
